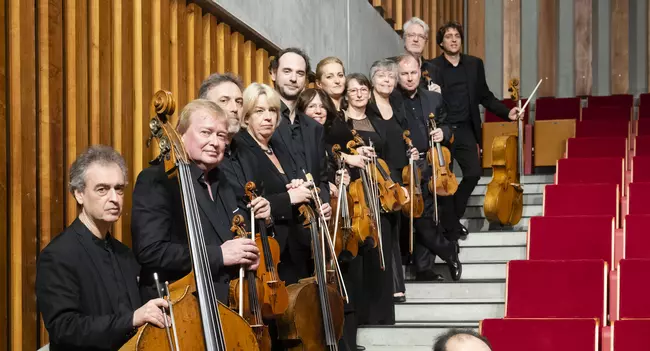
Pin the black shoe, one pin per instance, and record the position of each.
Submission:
(463, 232)
(428, 276)
(454, 265)
(360, 348)
(399, 299)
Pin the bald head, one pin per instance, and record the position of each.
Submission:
(461, 340)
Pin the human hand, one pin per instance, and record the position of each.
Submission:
(152, 313)
(240, 251)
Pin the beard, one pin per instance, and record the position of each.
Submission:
(233, 125)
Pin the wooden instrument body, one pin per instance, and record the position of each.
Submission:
(416, 196)
(276, 298)
(345, 238)
(261, 331)
(239, 335)
(504, 195)
(298, 325)
(446, 183)
(391, 195)
(362, 224)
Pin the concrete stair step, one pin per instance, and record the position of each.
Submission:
(528, 189)
(471, 271)
(529, 199)
(486, 254)
(495, 238)
(405, 336)
(527, 179)
(462, 290)
(448, 311)
(528, 211)
(475, 225)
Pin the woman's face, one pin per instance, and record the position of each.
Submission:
(333, 80)
(358, 94)
(263, 119)
(316, 110)
(384, 82)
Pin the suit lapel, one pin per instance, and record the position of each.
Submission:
(307, 131)
(124, 264)
(209, 209)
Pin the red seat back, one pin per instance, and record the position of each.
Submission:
(541, 334)
(602, 128)
(596, 147)
(609, 170)
(630, 335)
(581, 200)
(641, 168)
(644, 111)
(642, 145)
(637, 238)
(557, 289)
(491, 117)
(625, 100)
(644, 99)
(607, 113)
(633, 287)
(638, 198)
(557, 108)
(546, 233)
(643, 126)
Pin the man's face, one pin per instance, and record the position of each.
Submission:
(103, 195)
(409, 74)
(451, 42)
(415, 39)
(291, 76)
(466, 343)
(205, 139)
(229, 97)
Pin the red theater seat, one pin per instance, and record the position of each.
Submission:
(557, 108)
(582, 200)
(557, 289)
(602, 128)
(643, 126)
(637, 236)
(644, 99)
(642, 145)
(597, 147)
(641, 168)
(491, 117)
(541, 334)
(565, 238)
(644, 111)
(607, 113)
(633, 288)
(638, 198)
(625, 100)
(608, 170)
(631, 335)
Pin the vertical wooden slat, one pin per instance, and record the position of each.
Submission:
(475, 35)
(388, 9)
(399, 14)
(547, 45)
(70, 98)
(160, 31)
(4, 223)
(178, 46)
(100, 41)
(23, 192)
(583, 47)
(620, 46)
(223, 48)
(417, 8)
(426, 11)
(261, 65)
(433, 26)
(209, 45)
(142, 82)
(408, 9)
(194, 57)
(83, 96)
(237, 53)
(511, 42)
(249, 62)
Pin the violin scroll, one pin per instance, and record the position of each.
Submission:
(513, 88)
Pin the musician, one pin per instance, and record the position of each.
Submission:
(462, 340)
(330, 76)
(416, 37)
(303, 137)
(225, 90)
(462, 79)
(86, 280)
(159, 232)
(416, 104)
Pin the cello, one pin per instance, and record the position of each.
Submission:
(411, 176)
(203, 322)
(444, 183)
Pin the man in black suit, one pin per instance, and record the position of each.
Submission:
(86, 280)
(303, 136)
(414, 104)
(462, 80)
(225, 90)
(159, 233)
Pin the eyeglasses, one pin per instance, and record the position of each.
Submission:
(413, 35)
(363, 91)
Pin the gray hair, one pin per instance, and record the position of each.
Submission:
(217, 79)
(415, 20)
(382, 65)
(101, 154)
(196, 105)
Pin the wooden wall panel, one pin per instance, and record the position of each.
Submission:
(547, 47)
(142, 82)
(209, 45)
(511, 42)
(100, 71)
(23, 178)
(417, 8)
(475, 25)
(583, 47)
(261, 66)
(178, 43)
(408, 9)
(194, 52)
(426, 13)
(223, 48)
(620, 46)
(399, 14)
(237, 53)
(249, 62)
(433, 28)
(4, 199)
(160, 30)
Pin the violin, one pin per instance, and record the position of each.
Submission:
(202, 322)
(443, 182)
(411, 175)
(276, 298)
(243, 293)
(504, 194)
(341, 224)
(314, 319)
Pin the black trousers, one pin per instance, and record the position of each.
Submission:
(465, 151)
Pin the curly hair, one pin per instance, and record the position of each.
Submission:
(440, 35)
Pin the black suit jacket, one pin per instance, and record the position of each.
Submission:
(479, 93)
(159, 234)
(79, 307)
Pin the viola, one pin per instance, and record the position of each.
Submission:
(202, 322)
(275, 296)
(443, 182)
(411, 176)
(244, 293)
(341, 224)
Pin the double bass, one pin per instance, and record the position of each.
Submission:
(196, 315)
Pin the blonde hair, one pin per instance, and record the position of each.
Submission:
(327, 61)
(196, 105)
(252, 94)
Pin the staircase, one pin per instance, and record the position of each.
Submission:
(433, 308)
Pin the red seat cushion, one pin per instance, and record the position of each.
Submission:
(644, 99)
(641, 168)
(643, 126)
(557, 289)
(596, 147)
(638, 198)
(631, 335)
(644, 111)
(541, 334)
(564, 238)
(602, 128)
(610, 170)
(557, 108)
(642, 145)
(581, 200)
(607, 113)
(634, 288)
(491, 117)
(625, 100)
(637, 236)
